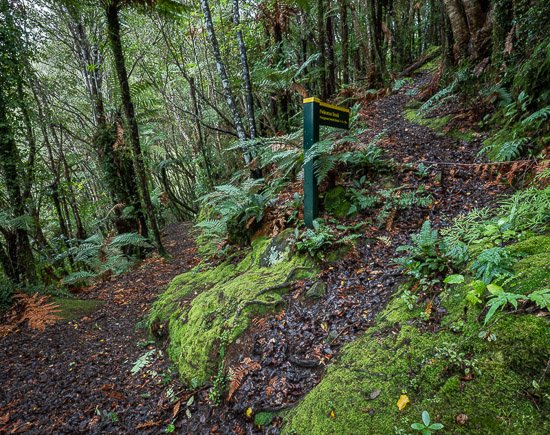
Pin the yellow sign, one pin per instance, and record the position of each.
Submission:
(329, 114)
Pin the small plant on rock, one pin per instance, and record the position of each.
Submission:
(426, 427)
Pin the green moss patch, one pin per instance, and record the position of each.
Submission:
(437, 124)
(206, 307)
(469, 383)
(73, 309)
(335, 202)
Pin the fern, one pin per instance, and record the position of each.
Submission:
(143, 361)
(537, 117)
(527, 209)
(235, 208)
(23, 222)
(78, 277)
(491, 263)
(541, 298)
(130, 239)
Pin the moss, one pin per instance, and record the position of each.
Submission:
(201, 307)
(531, 246)
(437, 124)
(72, 309)
(335, 202)
(397, 358)
(263, 418)
(533, 268)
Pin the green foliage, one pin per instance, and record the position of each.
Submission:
(426, 427)
(460, 77)
(315, 241)
(492, 262)
(499, 299)
(541, 298)
(236, 209)
(400, 83)
(522, 133)
(97, 255)
(6, 291)
(425, 260)
(326, 158)
(143, 361)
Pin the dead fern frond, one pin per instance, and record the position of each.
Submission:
(37, 312)
(237, 374)
(259, 322)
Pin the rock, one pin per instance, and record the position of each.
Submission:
(276, 250)
(317, 290)
(461, 419)
(335, 202)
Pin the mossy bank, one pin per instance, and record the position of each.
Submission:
(207, 308)
(471, 377)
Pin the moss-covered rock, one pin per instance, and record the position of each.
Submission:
(534, 264)
(397, 357)
(335, 202)
(208, 306)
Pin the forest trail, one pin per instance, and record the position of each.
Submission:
(76, 375)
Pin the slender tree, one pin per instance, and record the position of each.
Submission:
(224, 77)
(249, 99)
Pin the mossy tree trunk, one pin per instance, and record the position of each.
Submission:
(113, 25)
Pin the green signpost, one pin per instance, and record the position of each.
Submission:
(317, 113)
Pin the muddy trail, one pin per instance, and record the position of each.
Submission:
(76, 376)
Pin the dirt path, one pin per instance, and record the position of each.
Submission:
(76, 376)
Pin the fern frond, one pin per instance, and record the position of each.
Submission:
(129, 239)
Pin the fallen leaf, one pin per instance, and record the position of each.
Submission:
(147, 424)
(332, 414)
(176, 409)
(403, 401)
(249, 412)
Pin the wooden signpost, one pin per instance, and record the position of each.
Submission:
(317, 113)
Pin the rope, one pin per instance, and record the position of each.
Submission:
(477, 164)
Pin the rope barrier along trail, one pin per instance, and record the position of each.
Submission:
(512, 162)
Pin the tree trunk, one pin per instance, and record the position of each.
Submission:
(343, 12)
(21, 255)
(249, 99)
(331, 59)
(226, 85)
(459, 26)
(321, 47)
(113, 25)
